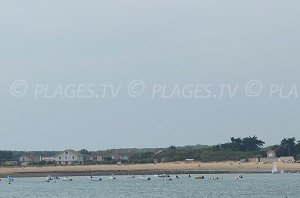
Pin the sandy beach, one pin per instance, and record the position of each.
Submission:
(174, 167)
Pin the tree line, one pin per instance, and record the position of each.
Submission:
(235, 149)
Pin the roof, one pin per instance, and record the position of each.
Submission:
(70, 151)
(94, 154)
(29, 156)
(269, 151)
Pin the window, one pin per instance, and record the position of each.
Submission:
(66, 157)
(73, 157)
(59, 158)
(66, 152)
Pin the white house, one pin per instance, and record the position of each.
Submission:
(271, 154)
(96, 157)
(271, 157)
(287, 159)
(26, 159)
(119, 157)
(48, 159)
(69, 157)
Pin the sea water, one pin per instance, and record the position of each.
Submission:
(250, 186)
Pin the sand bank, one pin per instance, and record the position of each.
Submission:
(173, 167)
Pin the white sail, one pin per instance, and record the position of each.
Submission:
(274, 168)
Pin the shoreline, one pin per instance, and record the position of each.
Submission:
(148, 169)
(120, 173)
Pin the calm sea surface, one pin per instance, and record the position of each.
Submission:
(252, 185)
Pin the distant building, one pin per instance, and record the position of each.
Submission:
(271, 157)
(95, 157)
(10, 163)
(119, 157)
(26, 159)
(68, 157)
(287, 159)
(48, 159)
(189, 160)
(254, 159)
(271, 154)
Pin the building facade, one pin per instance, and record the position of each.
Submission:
(27, 159)
(271, 154)
(68, 157)
(94, 157)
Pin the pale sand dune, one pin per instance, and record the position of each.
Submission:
(173, 166)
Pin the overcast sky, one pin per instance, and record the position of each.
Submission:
(170, 42)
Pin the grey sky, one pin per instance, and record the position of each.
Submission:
(157, 41)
